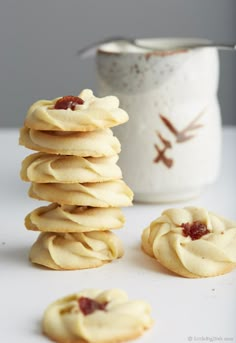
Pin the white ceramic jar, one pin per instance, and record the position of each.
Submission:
(171, 144)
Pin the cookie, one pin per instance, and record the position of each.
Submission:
(44, 168)
(192, 242)
(69, 218)
(83, 113)
(70, 251)
(96, 316)
(98, 143)
(106, 194)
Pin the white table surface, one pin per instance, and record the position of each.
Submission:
(184, 310)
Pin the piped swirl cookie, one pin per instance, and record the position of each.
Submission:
(71, 113)
(106, 194)
(85, 144)
(192, 242)
(96, 316)
(46, 168)
(69, 218)
(69, 251)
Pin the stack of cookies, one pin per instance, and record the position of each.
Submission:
(75, 169)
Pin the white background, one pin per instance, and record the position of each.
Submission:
(182, 307)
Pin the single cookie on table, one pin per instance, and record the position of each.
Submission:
(98, 143)
(104, 194)
(46, 168)
(96, 316)
(192, 242)
(71, 218)
(70, 251)
(76, 113)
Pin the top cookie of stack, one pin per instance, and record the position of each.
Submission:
(82, 113)
(75, 169)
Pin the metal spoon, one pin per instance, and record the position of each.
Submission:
(90, 50)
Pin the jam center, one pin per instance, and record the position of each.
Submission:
(88, 306)
(195, 230)
(68, 101)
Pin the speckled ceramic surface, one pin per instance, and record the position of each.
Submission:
(171, 144)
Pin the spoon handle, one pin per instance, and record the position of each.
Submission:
(220, 46)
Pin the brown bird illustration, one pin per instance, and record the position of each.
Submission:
(183, 135)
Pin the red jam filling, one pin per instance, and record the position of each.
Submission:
(88, 306)
(195, 230)
(68, 101)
